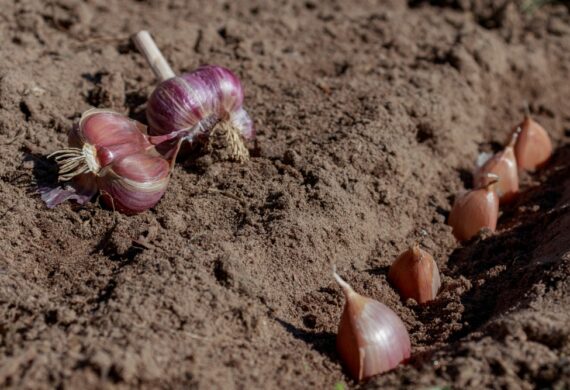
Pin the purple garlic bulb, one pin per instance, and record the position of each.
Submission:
(199, 100)
(195, 104)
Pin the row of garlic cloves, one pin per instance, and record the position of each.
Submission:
(371, 338)
(497, 180)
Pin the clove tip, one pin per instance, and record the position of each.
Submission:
(346, 288)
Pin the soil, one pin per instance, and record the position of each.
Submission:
(370, 115)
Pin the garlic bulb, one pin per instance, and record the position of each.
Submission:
(504, 165)
(207, 96)
(194, 104)
(533, 147)
(371, 338)
(113, 154)
(415, 275)
(475, 210)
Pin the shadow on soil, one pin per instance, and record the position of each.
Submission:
(322, 342)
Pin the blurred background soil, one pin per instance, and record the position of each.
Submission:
(370, 115)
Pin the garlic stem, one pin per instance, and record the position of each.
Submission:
(344, 285)
(154, 57)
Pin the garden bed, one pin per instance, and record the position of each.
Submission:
(369, 116)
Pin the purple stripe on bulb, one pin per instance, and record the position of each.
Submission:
(225, 84)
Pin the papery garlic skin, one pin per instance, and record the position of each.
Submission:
(199, 100)
(415, 275)
(473, 211)
(371, 338)
(504, 165)
(112, 154)
(533, 148)
(81, 189)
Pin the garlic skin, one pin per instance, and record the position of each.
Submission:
(533, 147)
(112, 154)
(475, 210)
(504, 165)
(371, 338)
(195, 103)
(415, 275)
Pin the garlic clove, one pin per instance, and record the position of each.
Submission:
(475, 210)
(533, 147)
(371, 338)
(107, 127)
(415, 275)
(504, 165)
(142, 168)
(134, 183)
(112, 134)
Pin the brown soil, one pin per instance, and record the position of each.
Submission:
(370, 116)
